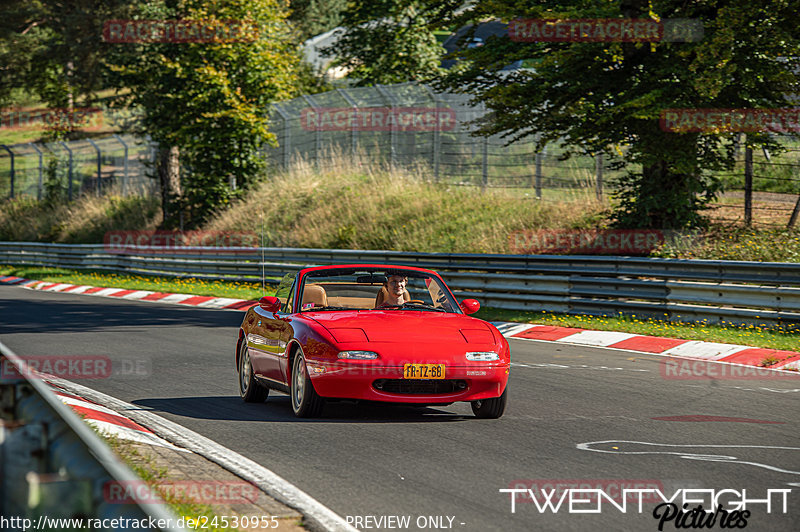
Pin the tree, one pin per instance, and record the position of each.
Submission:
(53, 50)
(387, 41)
(207, 102)
(600, 94)
(312, 17)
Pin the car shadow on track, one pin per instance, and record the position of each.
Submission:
(278, 409)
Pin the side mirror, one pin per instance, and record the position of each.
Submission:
(269, 303)
(470, 306)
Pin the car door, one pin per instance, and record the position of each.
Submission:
(268, 339)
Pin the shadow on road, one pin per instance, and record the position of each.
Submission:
(25, 311)
(278, 409)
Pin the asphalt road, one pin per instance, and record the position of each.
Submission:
(441, 462)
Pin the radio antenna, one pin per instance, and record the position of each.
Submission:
(263, 280)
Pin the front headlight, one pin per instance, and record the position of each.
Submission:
(482, 356)
(358, 355)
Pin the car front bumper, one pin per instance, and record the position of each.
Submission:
(358, 381)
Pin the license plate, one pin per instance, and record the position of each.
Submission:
(423, 371)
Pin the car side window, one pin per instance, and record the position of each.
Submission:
(285, 290)
(287, 307)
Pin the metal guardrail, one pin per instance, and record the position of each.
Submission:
(54, 467)
(681, 290)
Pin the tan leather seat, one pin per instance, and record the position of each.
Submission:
(383, 293)
(313, 293)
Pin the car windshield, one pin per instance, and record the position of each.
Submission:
(378, 289)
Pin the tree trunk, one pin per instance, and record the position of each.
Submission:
(170, 181)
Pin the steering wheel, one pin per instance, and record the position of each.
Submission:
(419, 301)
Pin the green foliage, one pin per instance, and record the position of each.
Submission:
(387, 41)
(312, 17)
(54, 49)
(608, 96)
(211, 99)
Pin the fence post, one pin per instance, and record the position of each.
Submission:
(748, 186)
(99, 164)
(598, 169)
(124, 166)
(287, 136)
(69, 170)
(11, 153)
(317, 133)
(437, 134)
(393, 132)
(41, 184)
(795, 213)
(485, 163)
(538, 176)
(354, 128)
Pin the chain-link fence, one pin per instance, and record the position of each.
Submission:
(68, 169)
(407, 125)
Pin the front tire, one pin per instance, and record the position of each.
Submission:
(249, 388)
(490, 408)
(305, 401)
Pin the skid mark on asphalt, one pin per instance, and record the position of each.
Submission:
(687, 452)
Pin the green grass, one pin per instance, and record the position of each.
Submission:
(773, 338)
(752, 335)
(199, 287)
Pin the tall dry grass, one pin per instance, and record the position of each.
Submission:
(85, 220)
(350, 205)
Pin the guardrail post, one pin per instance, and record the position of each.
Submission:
(69, 170)
(11, 153)
(40, 186)
(124, 165)
(99, 165)
(748, 186)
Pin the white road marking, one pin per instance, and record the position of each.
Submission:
(277, 487)
(596, 338)
(692, 455)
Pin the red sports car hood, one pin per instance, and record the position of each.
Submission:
(405, 326)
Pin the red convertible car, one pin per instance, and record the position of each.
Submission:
(372, 333)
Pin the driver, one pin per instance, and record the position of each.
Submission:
(393, 292)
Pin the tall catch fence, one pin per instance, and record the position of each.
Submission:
(407, 125)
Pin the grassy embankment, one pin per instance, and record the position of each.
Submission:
(349, 207)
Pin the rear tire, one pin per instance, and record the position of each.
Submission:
(490, 408)
(305, 400)
(249, 388)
